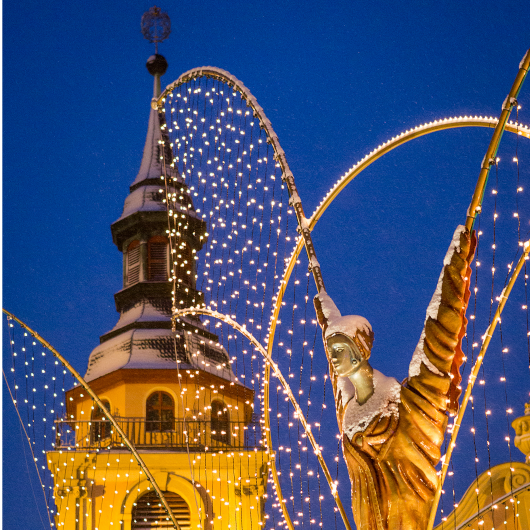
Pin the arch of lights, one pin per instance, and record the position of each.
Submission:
(308, 225)
(86, 386)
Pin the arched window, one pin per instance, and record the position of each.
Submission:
(133, 263)
(100, 425)
(148, 512)
(220, 423)
(157, 263)
(160, 412)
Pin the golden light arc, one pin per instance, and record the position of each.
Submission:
(448, 123)
(421, 130)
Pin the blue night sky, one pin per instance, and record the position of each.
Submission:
(336, 80)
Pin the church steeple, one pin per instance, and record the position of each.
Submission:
(145, 302)
(173, 393)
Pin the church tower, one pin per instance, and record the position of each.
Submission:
(172, 392)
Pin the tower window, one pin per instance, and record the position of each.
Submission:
(157, 262)
(133, 263)
(149, 512)
(220, 423)
(100, 428)
(160, 412)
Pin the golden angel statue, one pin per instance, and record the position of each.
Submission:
(392, 432)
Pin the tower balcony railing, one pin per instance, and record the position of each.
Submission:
(177, 434)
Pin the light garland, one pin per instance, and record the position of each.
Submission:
(71, 453)
(245, 221)
(278, 298)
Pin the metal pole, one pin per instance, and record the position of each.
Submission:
(473, 210)
(489, 159)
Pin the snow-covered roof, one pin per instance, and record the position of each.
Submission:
(150, 198)
(208, 356)
(155, 349)
(143, 199)
(151, 166)
(136, 348)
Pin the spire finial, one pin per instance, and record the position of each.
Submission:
(156, 26)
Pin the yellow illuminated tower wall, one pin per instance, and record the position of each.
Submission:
(174, 394)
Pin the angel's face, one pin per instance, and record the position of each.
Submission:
(344, 355)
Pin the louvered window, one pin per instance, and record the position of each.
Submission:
(133, 263)
(220, 423)
(160, 412)
(149, 512)
(157, 259)
(100, 428)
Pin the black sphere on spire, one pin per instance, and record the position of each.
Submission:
(156, 64)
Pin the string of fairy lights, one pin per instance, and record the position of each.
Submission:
(509, 209)
(78, 452)
(242, 206)
(198, 130)
(234, 251)
(291, 464)
(244, 227)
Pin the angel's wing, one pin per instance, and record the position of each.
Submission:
(434, 371)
